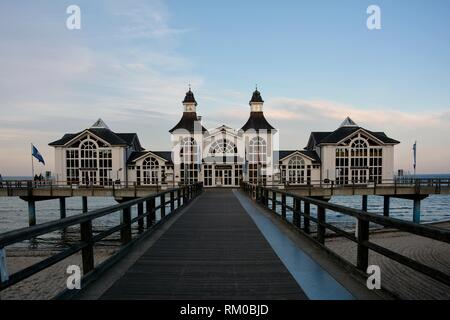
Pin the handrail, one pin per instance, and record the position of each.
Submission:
(180, 196)
(324, 183)
(262, 195)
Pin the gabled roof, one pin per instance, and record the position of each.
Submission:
(165, 155)
(187, 122)
(282, 154)
(112, 138)
(343, 132)
(257, 121)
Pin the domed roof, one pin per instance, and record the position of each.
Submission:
(256, 97)
(189, 98)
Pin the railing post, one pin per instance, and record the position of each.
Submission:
(140, 209)
(306, 221)
(362, 261)
(150, 204)
(296, 219)
(125, 232)
(320, 228)
(31, 213)
(184, 195)
(274, 201)
(266, 198)
(84, 203)
(172, 201)
(162, 201)
(386, 205)
(62, 207)
(178, 198)
(283, 205)
(87, 253)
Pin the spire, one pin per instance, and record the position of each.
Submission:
(348, 123)
(99, 124)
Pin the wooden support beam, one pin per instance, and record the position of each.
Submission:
(126, 221)
(321, 229)
(140, 212)
(306, 221)
(62, 208)
(416, 211)
(31, 213)
(150, 206)
(362, 251)
(84, 202)
(386, 205)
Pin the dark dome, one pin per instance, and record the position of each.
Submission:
(256, 97)
(189, 98)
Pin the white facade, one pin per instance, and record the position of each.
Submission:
(223, 157)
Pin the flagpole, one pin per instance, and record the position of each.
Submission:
(32, 163)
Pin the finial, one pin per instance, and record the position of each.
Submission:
(256, 86)
(189, 87)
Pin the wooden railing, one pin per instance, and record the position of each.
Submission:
(170, 201)
(302, 219)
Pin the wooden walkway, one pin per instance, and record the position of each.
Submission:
(213, 251)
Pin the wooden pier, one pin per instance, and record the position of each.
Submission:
(226, 244)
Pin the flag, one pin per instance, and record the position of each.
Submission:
(35, 153)
(415, 154)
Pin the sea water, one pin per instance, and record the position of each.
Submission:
(14, 214)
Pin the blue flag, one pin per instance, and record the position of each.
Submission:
(35, 152)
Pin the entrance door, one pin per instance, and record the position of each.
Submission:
(88, 178)
(219, 177)
(227, 177)
(224, 177)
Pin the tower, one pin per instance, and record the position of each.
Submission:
(187, 143)
(259, 143)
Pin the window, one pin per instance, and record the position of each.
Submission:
(72, 166)
(296, 170)
(359, 162)
(257, 157)
(89, 162)
(190, 161)
(150, 171)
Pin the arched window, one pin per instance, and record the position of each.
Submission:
(150, 171)
(296, 170)
(222, 146)
(88, 155)
(190, 161)
(257, 150)
(189, 151)
(358, 153)
(359, 160)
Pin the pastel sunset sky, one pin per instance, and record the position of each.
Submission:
(315, 62)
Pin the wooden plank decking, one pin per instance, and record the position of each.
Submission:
(213, 251)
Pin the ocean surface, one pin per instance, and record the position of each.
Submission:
(14, 214)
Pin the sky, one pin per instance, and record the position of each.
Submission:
(315, 63)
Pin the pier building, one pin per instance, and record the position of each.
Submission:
(223, 156)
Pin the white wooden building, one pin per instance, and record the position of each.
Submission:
(222, 157)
